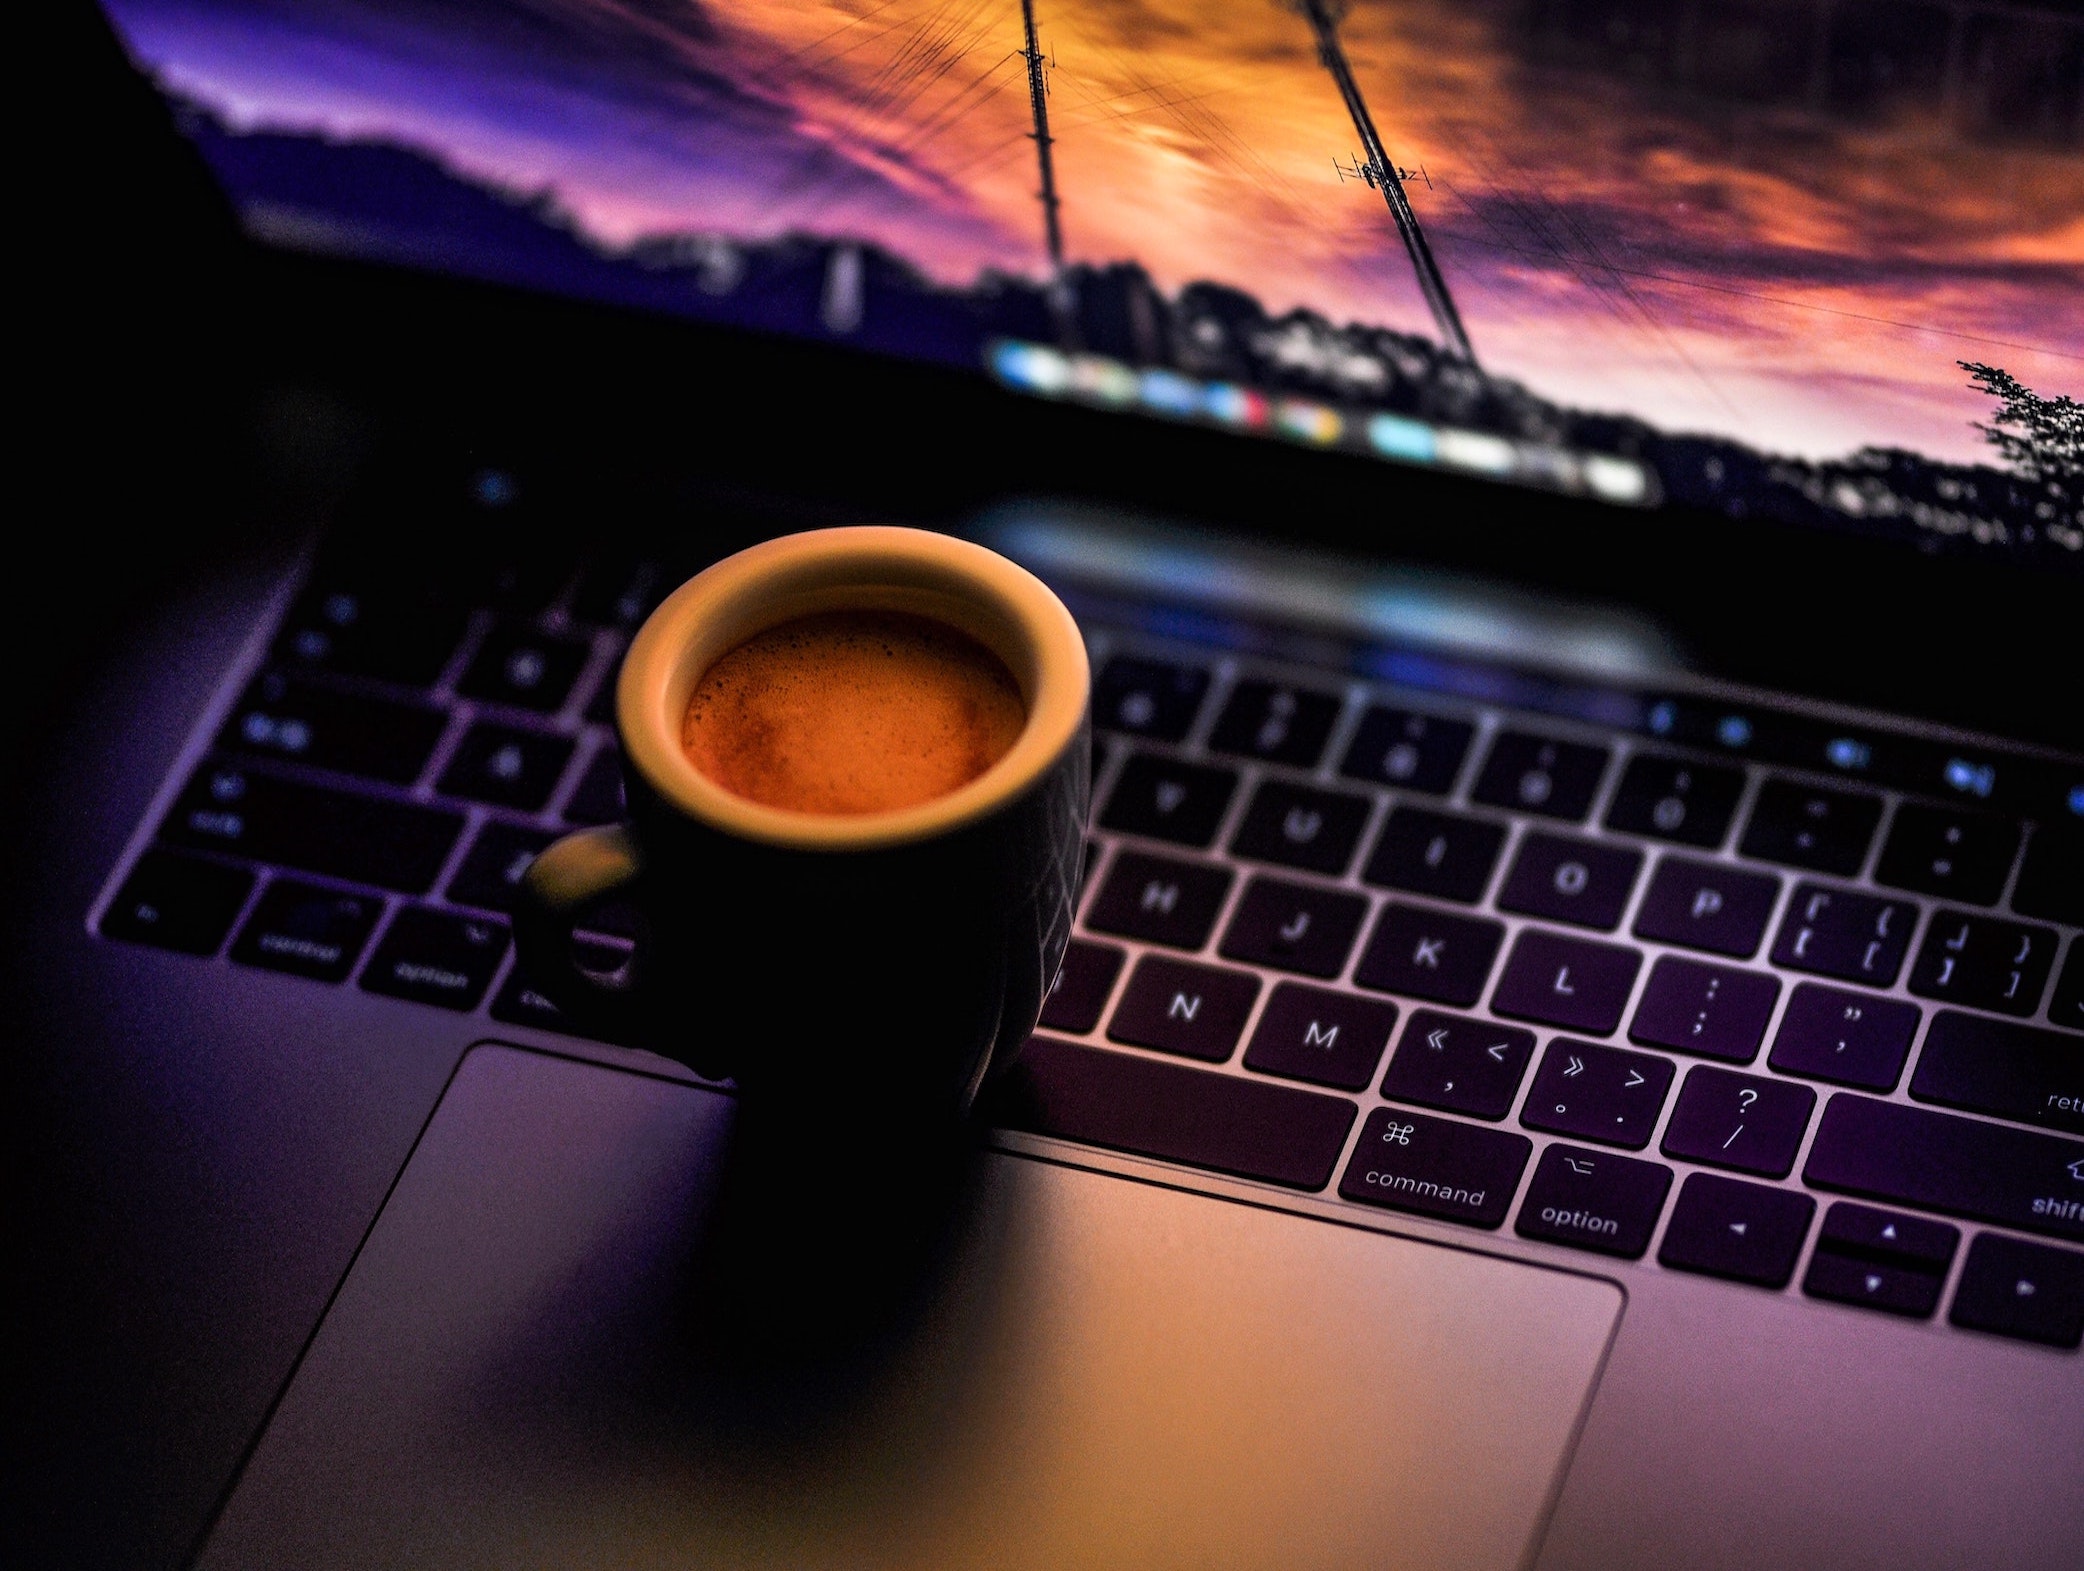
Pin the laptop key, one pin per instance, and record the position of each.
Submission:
(1983, 963)
(1226, 1123)
(1435, 854)
(405, 638)
(1148, 698)
(1458, 1064)
(1280, 724)
(2051, 879)
(1435, 1167)
(1327, 1038)
(2066, 1008)
(1834, 932)
(1744, 1232)
(1163, 799)
(524, 667)
(1746, 1122)
(1298, 827)
(1707, 905)
(2002, 1068)
(1880, 1260)
(1174, 1006)
(1709, 1011)
(506, 766)
(2018, 1178)
(1872, 1284)
(1944, 851)
(283, 716)
(1294, 927)
(434, 957)
(519, 1003)
(1807, 826)
(1571, 880)
(1852, 1039)
(1429, 954)
(1570, 982)
(1078, 996)
(1598, 1093)
(1537, 774)
(1675, 799)
(498, 860)
(1399, 747)
(598, 798)
(392, 845)
(2017, 1289)
(177, 902)
(1159, 900)
(307, 930)
(1594, 1200)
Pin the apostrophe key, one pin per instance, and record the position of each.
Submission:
(1853, 937)
(521, 666)
(1458, 1064)
(177, 902)
(1853, 1039)
(1300, 827)
(1707, 905)
(1537, 774)
(1983, 963)
(1598, 1093)
(1594, 1200)
(393, 845)
(1435, 1167)
(1294, 926)
(1709, 1011)
(1570, 982)
(1399, 747)
(1282, 725)
(434, 957)
(283, 716)
(1745, 1232)
(1175, 1006)
(1164, 799)
(1077, 998)
(1326, 1038)
(1148, 698)
(1751, 1123)
(1159, 900)
(1807, 826)
(2002, 1068)
(1675, 799)
(307, 930)
(506, 766)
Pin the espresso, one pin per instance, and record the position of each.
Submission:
(852, 712)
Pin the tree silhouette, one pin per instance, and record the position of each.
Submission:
(2040, 438)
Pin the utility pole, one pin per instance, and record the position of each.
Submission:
(1038, 98)
(1323, 17)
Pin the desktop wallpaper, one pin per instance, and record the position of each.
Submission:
(1817, 258)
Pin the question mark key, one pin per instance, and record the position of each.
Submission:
(1746, 1123)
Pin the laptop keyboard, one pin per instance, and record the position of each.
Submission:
(1723, 991)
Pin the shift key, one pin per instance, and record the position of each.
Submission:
(2013, 1177)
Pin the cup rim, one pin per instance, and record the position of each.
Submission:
(873, 566)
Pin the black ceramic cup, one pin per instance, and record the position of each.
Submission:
(891, 962)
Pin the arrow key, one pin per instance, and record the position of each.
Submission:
(2024, 1290)
(1746, 1232)
(1871, 1284)
(1461, 1065)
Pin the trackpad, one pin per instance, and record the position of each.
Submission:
(1114, 1374)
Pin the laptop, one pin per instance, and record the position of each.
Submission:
(1572, 1053)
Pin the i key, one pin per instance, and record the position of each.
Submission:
(1984, 963)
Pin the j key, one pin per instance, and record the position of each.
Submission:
(2016, 1178)
(1401, 748)
(2008, 1070)
(1461, 1065)
(1429, 954)
(1539, 775)
(1570, 880)
(1984, 963)
(1566, 981)
(1294, 927)
(1079, 994)
(2023, 1290)
(433, 957)
(1159, 900)
(1148, 698)
(506, 766)
(392, 845)
(1194, 1011)
(2066, 1008)
(1327, 1038)
(2051, 879)
(1710, 1011)
(1229, 1123)
(1167, 800)
(1856, 938)
(1880, 1260)
(1707, 905)
(1745, 1122)
(283, 716)
(1435, 854)
(519, 1003)
(1598, 1093)
(1806, 826)
(1283, 725)
(523, 667)
(1942, 851)
(1435, 1167)
(1594, 1200)
(1745, 1232)
(308, 931)
(397, 635)
(1672, 799)
(499, 859)
(1298, 827)
(598, 799)
(177, 902)
(1852, 1039)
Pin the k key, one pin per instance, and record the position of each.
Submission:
(1429, 954)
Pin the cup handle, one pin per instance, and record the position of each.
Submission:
(567, 879)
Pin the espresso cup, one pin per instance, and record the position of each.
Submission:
(892, 961)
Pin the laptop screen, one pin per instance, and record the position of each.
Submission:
(1819, 260)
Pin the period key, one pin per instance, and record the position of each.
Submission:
(1435, 1167)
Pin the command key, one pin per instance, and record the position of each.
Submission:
(1436, 1167)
